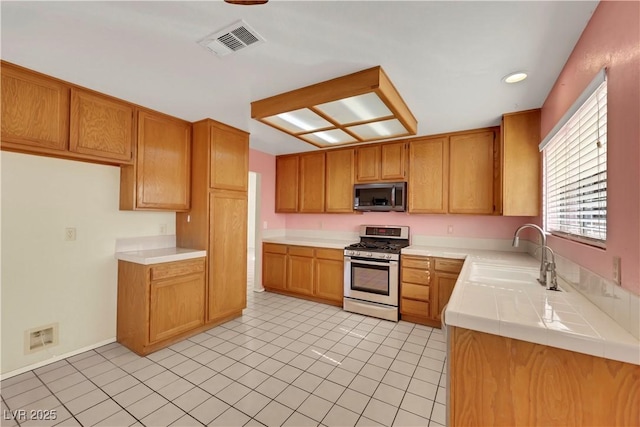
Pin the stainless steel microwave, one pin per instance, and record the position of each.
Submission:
(380, 197)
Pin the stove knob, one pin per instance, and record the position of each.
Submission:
(356, 253)
(369, 254)
(388, 256)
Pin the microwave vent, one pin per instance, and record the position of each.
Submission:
(231, 39)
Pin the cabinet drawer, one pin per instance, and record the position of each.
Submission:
(450, 265)
(410, 290)
(301, 251)
(335, 254)
(418, 308)
(178, 268)
(275, 248)
(414, 275)
(418, 262)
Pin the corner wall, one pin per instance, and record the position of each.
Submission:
(611, 39)
(46, 279)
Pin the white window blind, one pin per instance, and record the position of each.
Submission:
(575, 173)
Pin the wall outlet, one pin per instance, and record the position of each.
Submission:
(70, 234)
(617, 270)
(450, 229)
(163, 229)
(265, 225)
(37, 339)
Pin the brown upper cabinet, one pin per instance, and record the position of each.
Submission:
(520, 159)
(381, 162)
(287, 183)
(339, 178)
(229, 158)
(35, 111)
(311, 182)
(46, 116)
(160, 178)
(471, 173)
(428, 185)
(101, 126)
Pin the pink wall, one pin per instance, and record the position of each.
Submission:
(265, 165)
(432, 225)
(612, 40)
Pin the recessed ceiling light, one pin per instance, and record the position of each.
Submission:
(515, 77)
(246, 2)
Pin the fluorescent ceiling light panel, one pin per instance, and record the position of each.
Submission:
(379, 130)
(335, 136)
(356, 109)
(303, 120)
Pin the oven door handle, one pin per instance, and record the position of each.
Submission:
(374, 263)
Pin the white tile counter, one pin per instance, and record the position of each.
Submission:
(159, 255)
(506, 305)
(311, 241)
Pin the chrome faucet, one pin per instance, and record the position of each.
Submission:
(550, 268)
(543, 258)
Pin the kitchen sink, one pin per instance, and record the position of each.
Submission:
(502, 274)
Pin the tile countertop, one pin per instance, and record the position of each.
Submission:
(157, 256)
(311, 241)
(528, 311)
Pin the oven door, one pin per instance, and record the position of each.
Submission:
(371, 280)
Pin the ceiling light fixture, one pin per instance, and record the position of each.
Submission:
(515, 77)
(246, 2)
(359, 107)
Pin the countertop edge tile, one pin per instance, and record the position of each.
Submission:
(157, 256)
(309, 241)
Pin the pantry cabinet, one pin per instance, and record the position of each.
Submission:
(339, 180)
(471, 173)
(159, 304)
(520, 159)
(287, 183)
(312, 273)
(428, 185)
(150, 184)
(217, 219)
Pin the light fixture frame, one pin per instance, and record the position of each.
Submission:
(372, 80)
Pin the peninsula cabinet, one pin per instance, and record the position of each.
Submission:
(217, 219)
(159, 304)
(160, 178)
(381, 162)
(46, 116)
(471, 173)
(520, 158)
(339, 180)
(428, 185)
(311, 183)
(499, 381)
(287, 183)
(312, 273)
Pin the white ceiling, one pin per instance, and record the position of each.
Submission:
(445, 58)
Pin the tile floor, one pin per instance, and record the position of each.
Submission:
(286, 362)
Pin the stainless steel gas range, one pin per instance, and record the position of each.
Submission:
(372, 273)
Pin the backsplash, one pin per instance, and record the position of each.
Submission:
(620, 304)
(142, 243)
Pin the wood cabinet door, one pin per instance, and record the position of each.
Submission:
(227, 253)
(428, 185)
(329, 278)
(393, 161)
(471, 177)
(368, 163)
(229, 159)
(176, 305)
(274, 270)
(521, 163)
(287, 183)
(101, 126)
(163, 141)
(339, 181)
(443, 285)
(300, 274)
(35, 110)
(311, 183)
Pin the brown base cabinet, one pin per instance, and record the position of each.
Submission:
(312, 273)
(499, 381)
(425, 288)
(160, 303)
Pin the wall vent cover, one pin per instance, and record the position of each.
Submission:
(233, 38)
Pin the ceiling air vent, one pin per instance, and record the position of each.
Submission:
(233, 38)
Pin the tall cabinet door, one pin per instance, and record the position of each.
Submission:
(428, 175)
(229, 159)
(311, 183)
(287, 183)
(339, 181)
(227, 253)
(471, 177)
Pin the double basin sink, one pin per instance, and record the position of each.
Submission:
(501, 274)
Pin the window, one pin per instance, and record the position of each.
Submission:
(575, 169)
